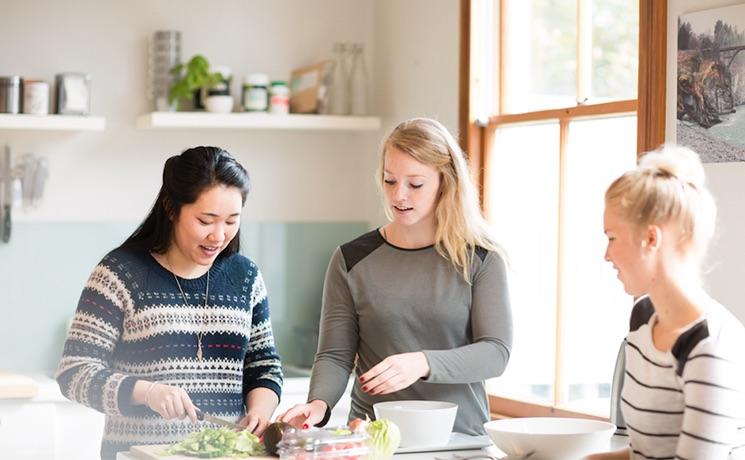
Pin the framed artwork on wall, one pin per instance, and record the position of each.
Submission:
(710, 108)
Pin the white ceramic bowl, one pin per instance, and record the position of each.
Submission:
(219, 104)
(422, 423)
(551, 437)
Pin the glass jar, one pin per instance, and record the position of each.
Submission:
(279, 98)
(221, 88)
(255, 92)
(323, 443)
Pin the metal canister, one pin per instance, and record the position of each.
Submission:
(10, 94)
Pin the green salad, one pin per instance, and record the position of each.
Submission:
(220, 442)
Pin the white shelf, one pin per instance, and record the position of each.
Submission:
(256, 121)
(52, 122)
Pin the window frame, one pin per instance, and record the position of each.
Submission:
(476, 137)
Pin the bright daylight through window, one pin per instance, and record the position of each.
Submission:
(560, 79)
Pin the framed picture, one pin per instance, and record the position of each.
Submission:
(711, 83)
(73, 93)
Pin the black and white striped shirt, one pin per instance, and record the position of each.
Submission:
(689, 402)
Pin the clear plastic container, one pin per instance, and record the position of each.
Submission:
(323, 443)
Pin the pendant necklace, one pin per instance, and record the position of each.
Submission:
(200, 332)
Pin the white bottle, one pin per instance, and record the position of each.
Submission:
(358, 83)
(339, 94)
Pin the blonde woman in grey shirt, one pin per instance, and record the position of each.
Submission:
(419, 308)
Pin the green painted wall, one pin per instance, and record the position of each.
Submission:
(46, 264)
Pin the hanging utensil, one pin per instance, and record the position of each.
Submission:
(7, 203)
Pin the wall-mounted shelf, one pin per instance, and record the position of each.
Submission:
(52, 122)
(256, 121)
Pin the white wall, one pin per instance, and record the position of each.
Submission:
(411, 49)
(114, 175)
(727, 254)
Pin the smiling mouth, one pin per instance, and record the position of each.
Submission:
(209, 248)
(401, 208)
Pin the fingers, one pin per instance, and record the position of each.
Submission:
(394, 373)
(376, 370)
(251, 422)
(171, 402)
(303, 416)
(296, 415)
(380, 382)
(260, 427)
(394, 382)
(189, 408)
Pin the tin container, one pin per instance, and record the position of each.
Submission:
(10, 94)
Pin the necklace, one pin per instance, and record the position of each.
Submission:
(200, 333)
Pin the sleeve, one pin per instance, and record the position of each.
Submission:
(262, 366)
(338, 337)
(714, 414)
(84, 373)
(491, 330)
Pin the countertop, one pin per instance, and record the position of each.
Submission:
(616, 442)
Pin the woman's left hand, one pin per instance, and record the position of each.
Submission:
(254, 423)
(260, 405)
(395, 373)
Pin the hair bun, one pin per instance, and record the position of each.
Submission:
(677, 161)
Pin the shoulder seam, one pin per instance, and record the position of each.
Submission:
(356, 250)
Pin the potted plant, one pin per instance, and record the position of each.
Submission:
(195, 81)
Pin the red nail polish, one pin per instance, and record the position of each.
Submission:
(305, 426)
(364, 388)
(362, 379)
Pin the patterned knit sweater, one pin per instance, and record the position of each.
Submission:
(132, 323)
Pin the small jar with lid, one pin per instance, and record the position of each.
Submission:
(279, 98)
(35, 97)
(256, 92)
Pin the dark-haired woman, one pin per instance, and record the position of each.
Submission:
(175, 319)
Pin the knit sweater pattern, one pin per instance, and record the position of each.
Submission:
(133, 323)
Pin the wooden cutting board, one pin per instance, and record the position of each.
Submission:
(14, 386)
(156, 453)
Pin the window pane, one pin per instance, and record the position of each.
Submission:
(595, 308)
(540, 55)
(615, 49)
(523, 207)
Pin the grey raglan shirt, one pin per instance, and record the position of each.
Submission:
(380, 300)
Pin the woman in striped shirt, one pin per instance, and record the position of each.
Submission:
(684, 389)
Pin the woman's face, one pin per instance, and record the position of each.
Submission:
(204, 228)
(411, 188)
(628, 252)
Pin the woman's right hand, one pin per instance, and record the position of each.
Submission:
(168, 401)
(305, 415)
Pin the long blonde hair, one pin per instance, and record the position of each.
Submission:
(461, 227)
(668, 187)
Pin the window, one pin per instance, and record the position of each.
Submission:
(553, 87)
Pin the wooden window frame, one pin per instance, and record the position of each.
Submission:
(476, 139)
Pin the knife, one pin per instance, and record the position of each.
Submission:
(211, 418)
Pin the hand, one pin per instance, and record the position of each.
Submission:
(395, 373)
(254, 423)
(171, 402)
(305, 415)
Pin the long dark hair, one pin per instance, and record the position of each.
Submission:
(185, 177)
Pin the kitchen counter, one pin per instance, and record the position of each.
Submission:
(616, 442)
